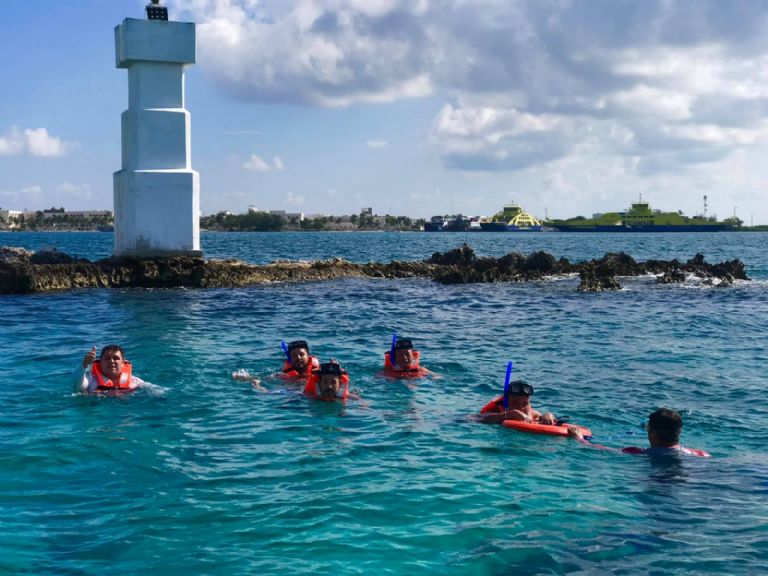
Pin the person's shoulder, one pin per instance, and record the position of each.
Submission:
(695, 452)
(634, 450)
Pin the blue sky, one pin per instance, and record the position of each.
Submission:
(412, 107)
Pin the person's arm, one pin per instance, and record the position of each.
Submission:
(499, 417)
(575, 432)
(243, 375)
(136, 382)
(80, 374)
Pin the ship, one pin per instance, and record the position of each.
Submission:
(455, 223)
(641, 218)
(435, 224)
(512, 218)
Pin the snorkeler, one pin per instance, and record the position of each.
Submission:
(111, 373)
(329, 382)
(402, 360)
(298, 364)
(664, 427)
(514, 404)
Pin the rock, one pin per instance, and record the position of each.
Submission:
(540, 262)
(12, 254)
(463, 256)
(618, 264)
(673, 276)
(596, 278)
(22, 271)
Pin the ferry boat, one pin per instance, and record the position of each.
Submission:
(641, 218)
(512, 218)
(455, 223)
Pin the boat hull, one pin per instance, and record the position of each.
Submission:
(647, 228)
(502, 227)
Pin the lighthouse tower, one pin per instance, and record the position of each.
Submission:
(156, 193)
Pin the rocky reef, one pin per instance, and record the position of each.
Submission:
(24, 272)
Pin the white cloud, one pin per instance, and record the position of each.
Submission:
(377, 143)
(26, 197)
(278, 163)
(12, 143)
(256, 164)
(668, 84)
(37, 142)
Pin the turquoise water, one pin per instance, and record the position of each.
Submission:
(200, 474)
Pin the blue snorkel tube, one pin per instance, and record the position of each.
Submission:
(504, 398)
(285, 349)
(392, 349)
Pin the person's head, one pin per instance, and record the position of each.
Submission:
(404, 356)
(329, 385)
(517, 396)
(298, 351)
(111, 361)
(664, 426)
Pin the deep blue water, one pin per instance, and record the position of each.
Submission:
(201, 474)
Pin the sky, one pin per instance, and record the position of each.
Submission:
(411, 107)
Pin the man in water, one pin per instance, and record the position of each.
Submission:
(664, 426)
(517, 407)
(329, 382)
(111, 373)
(402, 361)
(299, 364)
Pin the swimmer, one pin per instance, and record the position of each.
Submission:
(112, 372)
(298, 364)
(329, 382)
(515, 404)
(664, 426)
(402, 360)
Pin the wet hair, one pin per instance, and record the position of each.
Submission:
(404, 344)
(519, 388)
(666, 424)
(298, 344)
(332, 368)
(112, 348)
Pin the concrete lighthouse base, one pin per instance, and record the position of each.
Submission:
(157, 213)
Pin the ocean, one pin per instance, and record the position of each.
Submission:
(198, 474)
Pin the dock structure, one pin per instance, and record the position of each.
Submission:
(156, 192)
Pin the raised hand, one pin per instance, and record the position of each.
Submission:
(90, 357)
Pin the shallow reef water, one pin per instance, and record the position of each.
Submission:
(201, 474)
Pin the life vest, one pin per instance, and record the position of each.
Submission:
(496, 406)
(123, 382)
(413, 371)
(311, 387)
(290, 372)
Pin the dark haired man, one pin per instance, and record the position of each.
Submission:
(402, 360)
(329, 382)
(111, 373)
(664, 427)
(299, 364)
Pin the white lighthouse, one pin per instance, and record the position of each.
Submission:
(156, 193)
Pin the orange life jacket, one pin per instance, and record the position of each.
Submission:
(311, 388)
(413, 371)
(290, 372)
(123, 382)
(496, 406)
